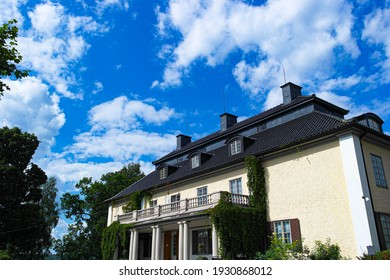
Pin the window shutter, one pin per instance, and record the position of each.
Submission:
(295, 230)
(195, 242)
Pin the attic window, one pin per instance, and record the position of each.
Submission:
(195, 161)
(373, 124)
(163, 172)
(236, 147)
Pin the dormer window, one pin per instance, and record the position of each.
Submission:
(236, 147)
(195, 161)
(164, 172)
(239, 144)
(373, 124)
(371, 120)
(198, 158)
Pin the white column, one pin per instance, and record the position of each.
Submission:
(359, 194)
(131, 245)
(109, 217)
(185, 241)
(215, 241)
(135, 245)
(180, 249)
(158, 243)
(153, 254)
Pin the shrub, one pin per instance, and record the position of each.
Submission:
(280, 250)
(295, 251)
(382, 255)
(325, 251)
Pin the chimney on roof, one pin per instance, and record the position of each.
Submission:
(182, 140)
(290, 91)
(227, 120)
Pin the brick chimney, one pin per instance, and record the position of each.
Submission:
(182, 140)
(227, 120)
(290, 92)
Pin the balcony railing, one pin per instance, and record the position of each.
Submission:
(188, 205)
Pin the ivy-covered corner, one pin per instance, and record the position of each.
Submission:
(114, 236)
(242, 231)
(135, 200)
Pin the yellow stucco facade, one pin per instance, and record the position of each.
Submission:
(309, 184)
(380, 195)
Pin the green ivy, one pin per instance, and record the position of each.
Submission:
(135, 200)
(242, 230)
(113, 236)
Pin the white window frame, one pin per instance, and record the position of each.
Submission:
(235, 186)
(195, 161)
(202, 195)
(153, 203)
(236, 147)
(163, 172)
(282, 229)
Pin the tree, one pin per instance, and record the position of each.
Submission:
(89, 212)
(9, 55)
(49, 206)
(24, 230)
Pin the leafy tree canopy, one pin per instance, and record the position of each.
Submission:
(9, 55)
(25, 229)
(89, 211)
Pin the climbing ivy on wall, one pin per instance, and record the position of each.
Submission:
(135, 200)
(242, 230)
(113, 236)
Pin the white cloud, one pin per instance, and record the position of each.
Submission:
(103, 5)
(126, 114)
(379, 107)
(301, 35)
(116, 137)
(122, 145)
(29, 106)
(55, 43)
(10, 10)
(374, 32)
(98, 87)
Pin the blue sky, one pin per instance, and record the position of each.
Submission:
(114, 81)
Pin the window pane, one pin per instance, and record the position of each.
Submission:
(379, 172)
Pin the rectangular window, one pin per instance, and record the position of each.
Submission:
(235, 147)
(202, 195)
(235, 186)
(153, 203)
(385, 221)
(201, 242)
(282, 230)
(379, 172)
(163, 172)
(195, 161)
(175, 202)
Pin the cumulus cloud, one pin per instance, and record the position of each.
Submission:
(213, 29)
(9, 10)
(127, 114)
(374, 25)
(55, 42)
(30, 106)
(121, 131)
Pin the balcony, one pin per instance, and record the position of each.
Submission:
(185, 206)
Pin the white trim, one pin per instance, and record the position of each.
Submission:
(358, 192)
